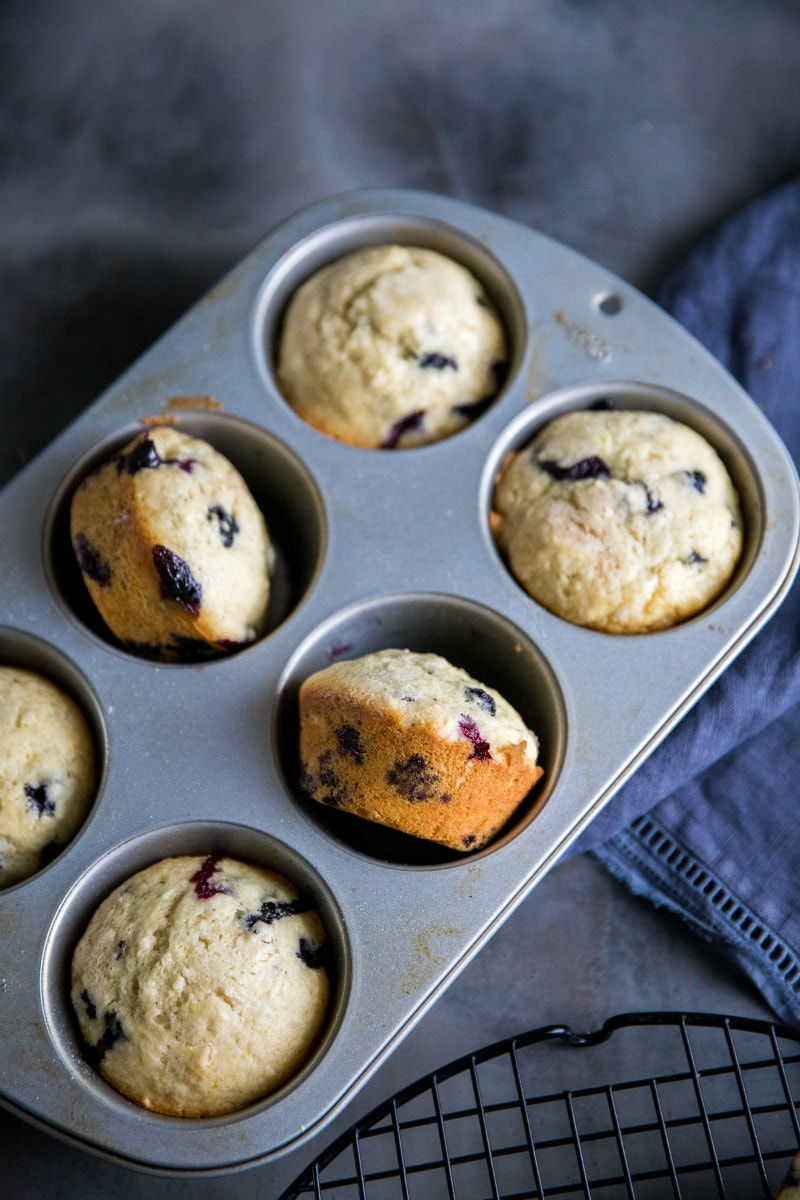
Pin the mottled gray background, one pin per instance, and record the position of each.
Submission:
(146, 146)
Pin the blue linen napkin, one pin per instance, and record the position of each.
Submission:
(706, 827)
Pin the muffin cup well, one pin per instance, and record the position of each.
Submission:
(332, 242)
(30, 653)
(118, 864)
(281, 486)
(632, 395)
(473, 637)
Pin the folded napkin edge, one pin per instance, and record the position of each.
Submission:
(652, 863)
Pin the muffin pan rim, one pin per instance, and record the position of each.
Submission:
(500, 880)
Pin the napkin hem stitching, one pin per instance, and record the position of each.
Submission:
(652, 863)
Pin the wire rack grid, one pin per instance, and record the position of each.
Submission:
(701, 1106)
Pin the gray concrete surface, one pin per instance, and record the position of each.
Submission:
(147, 146)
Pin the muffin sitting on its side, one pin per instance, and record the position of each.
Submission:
(200, 985)
(173, 548)
(622, 521)
(410, 741)
(391, 347)
(47, 771)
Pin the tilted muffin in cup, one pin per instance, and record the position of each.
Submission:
(391, 347)
(622, 521)
(408, 740)
(48, 771)
(173, 548)
(201, 985)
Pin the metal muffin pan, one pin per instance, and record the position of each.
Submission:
(375, 548)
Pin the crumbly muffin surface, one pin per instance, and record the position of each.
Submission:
(409, 740)
(391, 347)
(200, 985)
(47, 771)
(172, 547)
(623, 521)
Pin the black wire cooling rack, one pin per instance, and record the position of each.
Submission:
(703, 1106)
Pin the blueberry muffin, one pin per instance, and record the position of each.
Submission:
(200, 985)
(47, 771)
(173, 549)
(408, 740)
(621, 521)
(391, 346)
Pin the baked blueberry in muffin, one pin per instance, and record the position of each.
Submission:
(391, 347)
(47, 771)
(201, 985)
(173, 549)
(409, 740)
(623, 521)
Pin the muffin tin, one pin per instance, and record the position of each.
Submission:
(375, 548)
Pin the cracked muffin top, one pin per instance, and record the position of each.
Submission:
(200, 985)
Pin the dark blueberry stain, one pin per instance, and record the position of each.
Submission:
(693, 558)
(275, 910)
(229, 644)
(335, 793)
(228, 525)
(410, 699)
(412, 421)
(604, 404)
(327, 776)
(177, 581)
(438, 362)
(482, 301)
(697, 480)
(339, 648)
(587, 468)
(313, 956)
(145, 457)
(204, 889)
(90, 561)
(120, 948)
(470, 839)
(473, 734)
(350, 744)
(413, 779)
(445, 797)
(112, 1033)
(36, 795)
(653, 504)
(89, 1004)
(482, 699)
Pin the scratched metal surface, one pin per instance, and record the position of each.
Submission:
(376, 548)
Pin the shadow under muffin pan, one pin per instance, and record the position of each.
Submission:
(381, 549)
